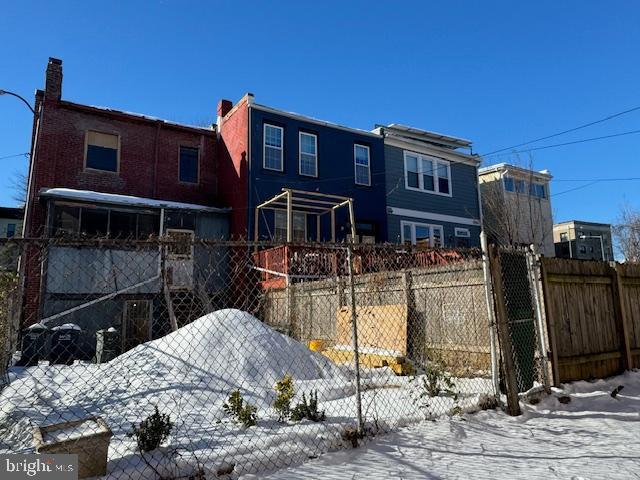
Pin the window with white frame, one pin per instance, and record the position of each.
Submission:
(427, 174)
(308, 156)
(462, 232)
(299, 221)
(421, 234)
(362, 163)
(273, 152)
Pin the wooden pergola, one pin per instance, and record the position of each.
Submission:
(316, 203)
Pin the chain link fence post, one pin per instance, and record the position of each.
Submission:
(488, 288)
(506, 344)
(533, 264)
(354, 334)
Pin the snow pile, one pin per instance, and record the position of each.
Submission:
(234, 346)
(189, 374)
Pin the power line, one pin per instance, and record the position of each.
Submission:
(574, 189)
(596, 179)
(584, 140)
(26, 154)
(566, 131)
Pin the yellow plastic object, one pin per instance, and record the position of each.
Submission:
(316, 345)
(399, 365)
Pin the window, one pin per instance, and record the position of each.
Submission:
(94, 222)
(564, 237)
(537, 190)
(583, 249)
(273, 147)
(122, 225)
(520, 186)
(421, 234)
(102, 151)
(462, 232)
(308, 160)
(508, 184)
(11, 230)
(189, 164)
(412, 172)
(181, 245)
(66, 220)
(427, 174)
(362, 165)
(137, 323)
(299, 221)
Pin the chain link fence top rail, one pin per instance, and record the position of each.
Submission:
(194, 358)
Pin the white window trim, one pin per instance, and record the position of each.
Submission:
(413, 226)
(436, 184)
(264, 147)
(315, 139)
(355, 165)
(462, 232)
(306, 221)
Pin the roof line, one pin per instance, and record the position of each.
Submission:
(127, 200)
(137, 116)
(317, 121)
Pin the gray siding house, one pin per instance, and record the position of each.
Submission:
(432, 188)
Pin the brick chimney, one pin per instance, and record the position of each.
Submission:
(224, 107)
(53, 85)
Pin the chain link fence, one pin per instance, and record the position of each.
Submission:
(191, 358)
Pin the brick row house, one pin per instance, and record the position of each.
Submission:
(98, 172)
(260, 173)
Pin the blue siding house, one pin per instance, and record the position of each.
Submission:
(292, 151)
(432, 188)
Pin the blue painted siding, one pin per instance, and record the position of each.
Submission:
(450, 240)
(335, 174)
(462, 203)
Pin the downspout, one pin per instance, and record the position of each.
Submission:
(155, 161)
(26, 231)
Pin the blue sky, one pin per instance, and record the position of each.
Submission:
(497, 73)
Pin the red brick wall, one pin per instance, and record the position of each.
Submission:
(59, 162)
(233, 166)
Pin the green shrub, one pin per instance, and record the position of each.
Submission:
(308, 410)
(284, 395)
(153, 431)
(241, 411)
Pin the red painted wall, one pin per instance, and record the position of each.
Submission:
(233, 166)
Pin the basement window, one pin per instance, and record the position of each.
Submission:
(102, 151)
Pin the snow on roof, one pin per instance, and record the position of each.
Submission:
(506, 166)
(428, 135)
(116, 199)
(307, 118)
(143, 116)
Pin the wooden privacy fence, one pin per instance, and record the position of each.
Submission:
(445, 307)
(593, 317)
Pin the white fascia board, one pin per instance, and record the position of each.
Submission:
(304, 118)
(438, 217)
(419, 147)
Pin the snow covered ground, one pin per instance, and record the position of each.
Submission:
(594, 436)
(189, 374)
